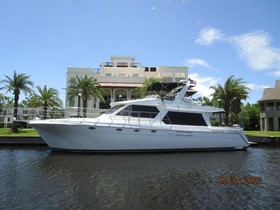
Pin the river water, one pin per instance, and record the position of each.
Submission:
(37, 178)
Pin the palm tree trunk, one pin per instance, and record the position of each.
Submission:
(16, 98)
(226, 118)
(85, 108)
(15, 126)
(45, 112)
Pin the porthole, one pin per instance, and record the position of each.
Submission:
(153, 131)
(136, 130)
(91, 128)
(119, 129)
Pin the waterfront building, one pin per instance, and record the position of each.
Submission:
(119, 79)
(270, 108)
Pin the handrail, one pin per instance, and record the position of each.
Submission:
(37, 113)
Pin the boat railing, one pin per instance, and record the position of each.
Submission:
(139, 118)
(125, 118)
(132, 117)
(39, 113)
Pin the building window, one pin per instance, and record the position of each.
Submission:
(153, 69)
(140, 111)
(72, 103)
(278, 106)
(181, 118)
(108, 74)
(269, 106)
(122, 75)
(271, 124)
(146, 69)
(262, 107)
(134, 75)
(122, 64)
(107, 99)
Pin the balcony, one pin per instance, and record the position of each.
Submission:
(121, 64)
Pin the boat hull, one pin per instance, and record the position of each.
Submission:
(113, 138)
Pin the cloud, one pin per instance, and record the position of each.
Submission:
(256, 87)
(203, 84)
(196, 62)
(153, 8)
(256, 50)
(276, 73)
(209, 35)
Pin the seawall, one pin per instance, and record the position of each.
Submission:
(264, 140)
(21, 140)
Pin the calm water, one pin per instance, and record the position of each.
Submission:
(36, 178)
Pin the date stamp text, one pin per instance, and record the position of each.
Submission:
(235, 180)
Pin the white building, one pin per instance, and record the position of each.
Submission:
(119, 79)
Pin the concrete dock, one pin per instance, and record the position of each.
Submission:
(264, 140)
(19, 140)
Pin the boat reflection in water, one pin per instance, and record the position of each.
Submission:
(171, 123)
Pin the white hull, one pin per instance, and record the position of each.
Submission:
(87, 137)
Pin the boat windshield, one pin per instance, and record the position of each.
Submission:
(114, 108)
(173, 93)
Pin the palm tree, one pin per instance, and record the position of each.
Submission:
(87, 88)
(204, 101)
(144, 90)
(16, 84)
(47, 98)
(231, 95)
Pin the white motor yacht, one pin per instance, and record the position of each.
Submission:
(171, 123)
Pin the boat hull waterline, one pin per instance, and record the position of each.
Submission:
(100, 138)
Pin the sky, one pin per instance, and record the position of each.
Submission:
(214, 38)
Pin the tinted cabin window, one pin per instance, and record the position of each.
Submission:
(140, 111)
(180, 118)
(115, 108)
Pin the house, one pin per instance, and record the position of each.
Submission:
(270, 108)
(119, 79)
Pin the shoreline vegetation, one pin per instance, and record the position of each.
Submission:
(7, 132)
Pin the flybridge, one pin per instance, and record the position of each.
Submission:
(173, 88)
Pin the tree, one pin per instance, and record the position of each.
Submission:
(5, 102)
(250, 117)
(47, 98)
(87, 88)
(17, 84)
(231, 95)
(144, 90)
(204, 101)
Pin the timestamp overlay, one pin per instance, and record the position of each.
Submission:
(237, 180)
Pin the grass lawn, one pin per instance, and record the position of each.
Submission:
(263, 133)
(22, 132)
